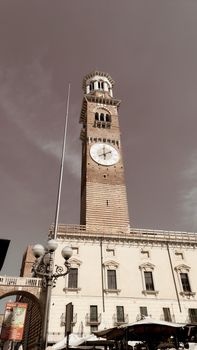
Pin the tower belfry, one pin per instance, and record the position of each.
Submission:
(103, 189)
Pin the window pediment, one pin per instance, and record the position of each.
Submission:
(75, 262)
(147, 267)
(111, 264)
(182, 268)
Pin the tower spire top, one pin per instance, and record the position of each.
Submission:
(98, 82)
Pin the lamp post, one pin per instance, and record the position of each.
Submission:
(43, 267)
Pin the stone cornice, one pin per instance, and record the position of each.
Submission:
(103, 100)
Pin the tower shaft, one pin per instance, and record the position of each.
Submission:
(103, 188)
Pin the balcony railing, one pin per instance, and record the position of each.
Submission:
(20, 281)
(63, 319)
(170, 318)
(126, 232)
(120, 320)
(93, 320)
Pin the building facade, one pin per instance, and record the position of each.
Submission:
(118, 274)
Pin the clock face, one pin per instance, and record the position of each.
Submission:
(104, 154)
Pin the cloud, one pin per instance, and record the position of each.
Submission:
(72, 157)
(29, 100)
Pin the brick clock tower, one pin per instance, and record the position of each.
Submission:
(103, 189)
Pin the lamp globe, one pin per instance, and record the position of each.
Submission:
(38, 250)
(52, 245)
(67, 252)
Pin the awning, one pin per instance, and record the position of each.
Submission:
(142, 330)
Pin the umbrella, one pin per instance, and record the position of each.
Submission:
(111, 333)
(149, 328)
(76, 341)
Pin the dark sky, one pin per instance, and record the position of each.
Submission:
(149, 48)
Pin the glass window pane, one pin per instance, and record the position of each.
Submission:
(185, 282)
(111, 277)
(143, 311)
(148, 280)
(73, 278)
(167, 314)
(120, 313)
(193, 315)
(93, 313)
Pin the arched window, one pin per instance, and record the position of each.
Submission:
(108, 118)
(102, 117)
(91, 85)
(100, 85)
(96, 116)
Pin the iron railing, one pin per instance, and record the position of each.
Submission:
(93, 320)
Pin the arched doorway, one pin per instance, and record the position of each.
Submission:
(33, 322)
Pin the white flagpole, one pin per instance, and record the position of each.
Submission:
(61, 168)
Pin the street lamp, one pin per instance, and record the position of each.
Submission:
(43, 267)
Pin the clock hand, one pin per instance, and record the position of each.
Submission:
(107, 152)
(104, 153)
(101, 154)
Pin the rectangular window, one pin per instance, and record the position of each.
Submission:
(193, 315)
(148, 277)
(111, 279)
(73, 278)
(143, 311)
(185, 282)
(167, 314)
(93, 313)
(120, 313)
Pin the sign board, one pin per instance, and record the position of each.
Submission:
(13, 322)
(69, 318)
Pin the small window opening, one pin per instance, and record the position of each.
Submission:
(96, 116)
